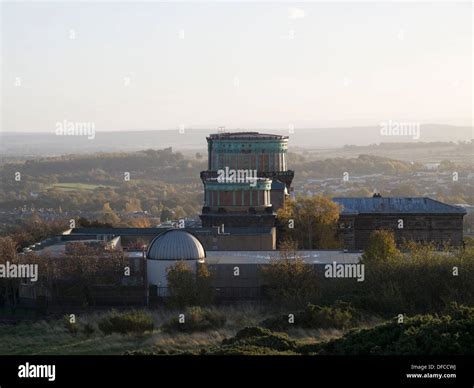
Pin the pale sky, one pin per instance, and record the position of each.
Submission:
(128, 66)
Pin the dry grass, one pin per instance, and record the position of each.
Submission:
(52, 337)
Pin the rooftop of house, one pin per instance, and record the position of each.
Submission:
(387, 205)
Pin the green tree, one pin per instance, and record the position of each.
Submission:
(204, 289)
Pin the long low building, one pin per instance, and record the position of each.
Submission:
(236, 274)
(418, 219)
(250, 238)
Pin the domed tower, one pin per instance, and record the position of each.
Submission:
(247, 179)
(168, 248)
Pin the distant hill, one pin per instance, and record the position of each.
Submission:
(46, 144)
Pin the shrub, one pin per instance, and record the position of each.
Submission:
(419, 281)
(88, 329)
(251, 350)
(249, 332)
(128, 322)
(257, 340)
(339, 316)
(196, 319)
(421, 335)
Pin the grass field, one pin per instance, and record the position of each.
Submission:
(75, 186)
(51, 337)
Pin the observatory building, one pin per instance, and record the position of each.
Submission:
(246, 181)
(168, 248)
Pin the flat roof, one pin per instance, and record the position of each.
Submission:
(246, 136)
(265, 257)
(157, 231)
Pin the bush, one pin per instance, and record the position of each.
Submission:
(88, 329)
(340, 316)
(187, 288)
(421, 335)
(196, 319)
(419, 281)
(290, 281)
(250, 350)
(128, 322)
(257, 340)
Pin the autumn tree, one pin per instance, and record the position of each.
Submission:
(9, 286)
(108, 216)
(187, 287)
(133, 205)
(289, 279)
(139, 222)
(310, 221)
(34, 229)
(204, 289)
(81, 269)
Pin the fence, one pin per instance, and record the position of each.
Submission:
(221, 294)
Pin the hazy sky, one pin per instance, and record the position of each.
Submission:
(156, 65)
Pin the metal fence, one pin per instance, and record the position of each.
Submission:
(220, 293)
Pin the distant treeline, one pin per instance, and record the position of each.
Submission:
(465, 145)
(162, 182)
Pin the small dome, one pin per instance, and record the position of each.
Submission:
(175, 244)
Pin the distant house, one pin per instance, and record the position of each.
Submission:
(419, 219)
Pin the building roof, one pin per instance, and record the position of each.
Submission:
(94, 231)
(266, 257)
(175, 244)
(245, 136)
(413, 205)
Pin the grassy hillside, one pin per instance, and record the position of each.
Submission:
(449, 333)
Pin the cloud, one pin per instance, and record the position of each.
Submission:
(295, 13)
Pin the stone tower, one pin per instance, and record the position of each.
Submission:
(247, 179)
